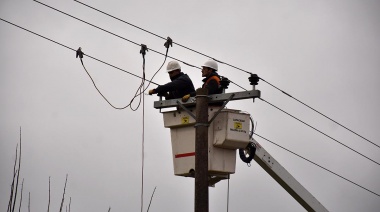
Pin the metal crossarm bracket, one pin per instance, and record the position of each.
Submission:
(185, 109)
(221, 108)
(213, 99)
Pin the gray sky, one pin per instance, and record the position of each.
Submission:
(325, 53)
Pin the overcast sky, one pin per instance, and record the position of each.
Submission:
(325, 53)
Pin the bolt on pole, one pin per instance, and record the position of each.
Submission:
(201, 152)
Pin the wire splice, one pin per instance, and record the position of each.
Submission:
(169, 42)
(143, 49)
(79, 53)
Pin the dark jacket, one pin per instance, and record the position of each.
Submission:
(180, 85)
(211, 84)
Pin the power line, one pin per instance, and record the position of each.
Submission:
(74, 50)
(319, 131)
(287, 94)
(188, 64)
(98, 10)
(111, 33)
(160, 36)
(233, 83)
(317, 165)
(157, 84)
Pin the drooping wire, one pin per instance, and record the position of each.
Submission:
(112, 33)
(167, 44)
(80, 55)
(143, 52)
(287, 94)
(317, 165)
(228, 192)
(141, 89)
(319, 131)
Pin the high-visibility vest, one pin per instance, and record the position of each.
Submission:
(212, 78)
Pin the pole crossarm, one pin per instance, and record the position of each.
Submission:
(216, 98)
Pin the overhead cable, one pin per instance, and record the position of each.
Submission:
(319, 131)
(317, 165)
(188, 64)
(74, 50)
(229, 66)
(160, 36)
(315, 129)
(287, 94)
(112, 33)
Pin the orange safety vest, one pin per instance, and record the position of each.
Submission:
(212, 78)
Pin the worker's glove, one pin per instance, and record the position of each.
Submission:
(185, 98)
(152, 92)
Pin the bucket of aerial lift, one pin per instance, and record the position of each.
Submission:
(228, 132)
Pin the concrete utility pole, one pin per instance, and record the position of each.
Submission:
(201, 151)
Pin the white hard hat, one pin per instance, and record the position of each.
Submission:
(172, 65)
(211, 64)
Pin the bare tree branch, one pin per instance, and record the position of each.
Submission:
(70, 205)
(29, 203)
(151, 198)
(63, 196)
(49, 197)
(109, 209)
(18, 176)
(22, 188)
(13, 183)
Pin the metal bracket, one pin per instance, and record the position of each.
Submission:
(221, 108)
(185, 109)
(215, 98)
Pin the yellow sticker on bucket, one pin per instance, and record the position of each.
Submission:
(238, 125)
(185, 120)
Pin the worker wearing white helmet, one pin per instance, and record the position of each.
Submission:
(180, 84)
(211, 80)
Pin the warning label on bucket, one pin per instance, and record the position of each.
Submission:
(238, 125)
(185, 120)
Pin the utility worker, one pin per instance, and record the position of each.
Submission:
(211, 80)
(179, 86)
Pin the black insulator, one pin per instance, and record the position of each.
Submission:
(224, 82)
(254, 79)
